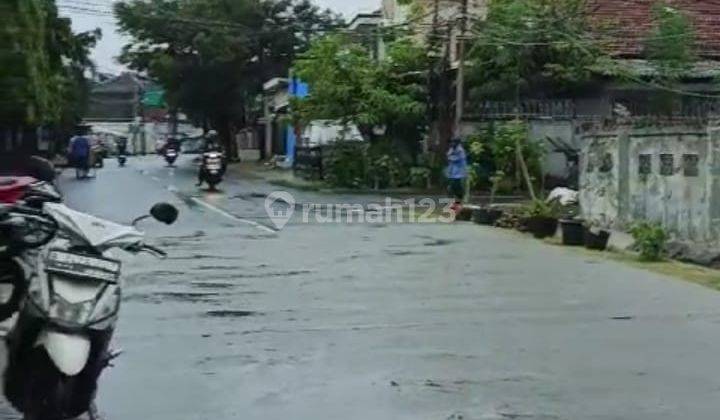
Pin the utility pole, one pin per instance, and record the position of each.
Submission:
(460, 82)
(432, 81)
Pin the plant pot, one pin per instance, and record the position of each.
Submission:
(573, 232)
(542, 227)
(596, 241)
(487, 217)
(464, 215)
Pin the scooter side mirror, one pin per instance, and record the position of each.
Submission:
(165, 213)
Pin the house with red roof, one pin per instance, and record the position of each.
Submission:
(663, 170)
(627, 23)
(622, 28)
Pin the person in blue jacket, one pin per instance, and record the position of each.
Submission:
(457, 172)
(79, 150)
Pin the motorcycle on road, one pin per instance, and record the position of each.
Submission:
(121, 149)
(212, 169)
(171, 156)
(60, 262)
(122, 159)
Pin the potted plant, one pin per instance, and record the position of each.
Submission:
(573, 232)
(572, 226)
(542, 219)
(489, 215)
(596, 238)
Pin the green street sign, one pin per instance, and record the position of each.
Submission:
(154, 99)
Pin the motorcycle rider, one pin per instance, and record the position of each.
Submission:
(121, 144)
(121, 149)
(211, 146)
(172, 143)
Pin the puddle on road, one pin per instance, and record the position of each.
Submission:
(231, 314)
(219, 268)
(193, 297)
(406, 253)
(352, 257)
(432, 241)
(213, 285)
(262, 275)
(151, 277)
(203, 257)
(164, 273)
(249, 197)
(440, 242)
(197, 234)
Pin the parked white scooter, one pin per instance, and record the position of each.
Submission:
(61, 341)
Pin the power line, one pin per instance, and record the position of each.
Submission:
(416, 22)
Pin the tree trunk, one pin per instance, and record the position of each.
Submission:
(226, 138)
(524, 169)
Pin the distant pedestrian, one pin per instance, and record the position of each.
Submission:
(457, 172)
(79, 150)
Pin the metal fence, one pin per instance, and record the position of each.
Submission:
(524, 109)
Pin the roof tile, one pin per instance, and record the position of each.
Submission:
(626, 24)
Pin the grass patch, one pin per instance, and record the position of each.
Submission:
(704, 276)
(697, 274)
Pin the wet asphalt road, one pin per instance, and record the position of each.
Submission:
(397, 321)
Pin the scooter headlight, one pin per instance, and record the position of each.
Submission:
(73, 301)
(74, 313)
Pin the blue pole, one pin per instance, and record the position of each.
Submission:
(297, 89)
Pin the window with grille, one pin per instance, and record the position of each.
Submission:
(645, 164)
(667, 164)
(691, 165)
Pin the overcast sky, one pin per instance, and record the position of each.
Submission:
(109, 47)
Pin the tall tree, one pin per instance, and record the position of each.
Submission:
(348, 86)
(24, 73)
(44, 65)
(525, 43)
(212, 56)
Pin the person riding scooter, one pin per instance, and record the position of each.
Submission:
(213, 164)
(171, 151)
(121, 147)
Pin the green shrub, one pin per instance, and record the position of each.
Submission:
(385, 171)
(493, 151)
(419, 176)
(541, 208)
(352, 164)
(385, 165)
(344, 164)
(650, 240)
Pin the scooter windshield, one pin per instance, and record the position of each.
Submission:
(98, 233)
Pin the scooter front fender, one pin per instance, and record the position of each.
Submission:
(69, 352)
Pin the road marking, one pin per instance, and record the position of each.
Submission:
(232, 216)
(173, 189)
